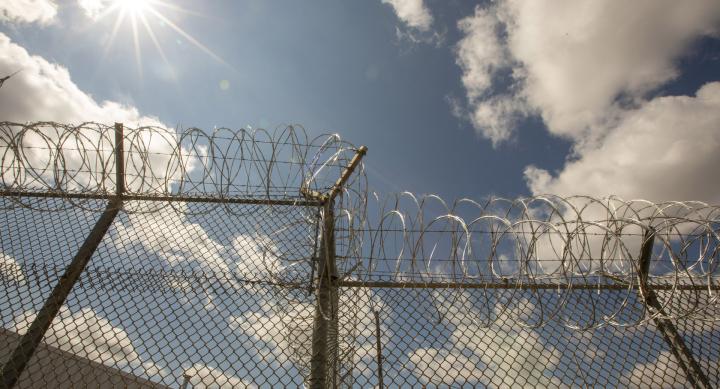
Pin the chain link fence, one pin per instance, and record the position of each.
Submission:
(251, 259)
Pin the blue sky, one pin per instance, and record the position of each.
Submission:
(364, 71)
(456, 98)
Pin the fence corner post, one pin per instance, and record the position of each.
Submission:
(325, 323)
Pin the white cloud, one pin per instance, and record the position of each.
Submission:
(10, 270)
(357, 319)
(446, 367)
(414, 13)
(511, 352)
(587, 69)
(480, 55)
(258, 256)
(28, 11)
(93, 8)
(173, 238)
(285, 330)
(579, 57)
(574, 61)
(495, 116)
(44, 91)
(665, 150)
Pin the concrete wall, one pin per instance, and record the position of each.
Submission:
(51, 367)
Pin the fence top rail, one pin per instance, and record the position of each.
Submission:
(226, 164)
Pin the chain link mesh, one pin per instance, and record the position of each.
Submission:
(220, 297)
(472, 337)
(216, 271)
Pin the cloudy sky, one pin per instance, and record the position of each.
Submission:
(452, 97)
(461, 99)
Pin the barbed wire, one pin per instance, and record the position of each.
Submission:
(49, 157)
(572, 246)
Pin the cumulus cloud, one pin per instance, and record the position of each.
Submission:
(173, 238)
(281, 333)
(445, 367)
(588, 69)
(511, 352)
(28, 11)
(580, 58)
(285, 332)
(494, 116)
(481, 54)
(259, 256)
(10, 270)
(44, 91)
(666, 149)
(576, 63)
(357, 312)
(414, 13)
(417, 21)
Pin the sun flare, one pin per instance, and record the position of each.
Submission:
(142, 14)
(133, 7)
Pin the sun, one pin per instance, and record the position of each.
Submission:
(132, 7)
(142, 15)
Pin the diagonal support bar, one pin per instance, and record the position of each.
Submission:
(26, 348)
(354, 162)
(337, 187)
(22, 353)
(682, 353)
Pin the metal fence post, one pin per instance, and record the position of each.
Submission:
(378, 346)
(325, 324)
(22, 353)
(327, 303)
(672, 337)
(119, 160)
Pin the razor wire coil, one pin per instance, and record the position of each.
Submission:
(566, 263)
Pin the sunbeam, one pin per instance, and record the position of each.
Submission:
(142, 12)
(188, 36)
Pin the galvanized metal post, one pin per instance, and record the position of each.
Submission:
(325, 326)
(17, 362)
(119, 160)
(379, 348)
(672, 337)
(326, 307)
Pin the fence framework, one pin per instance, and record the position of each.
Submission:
(346, 274)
